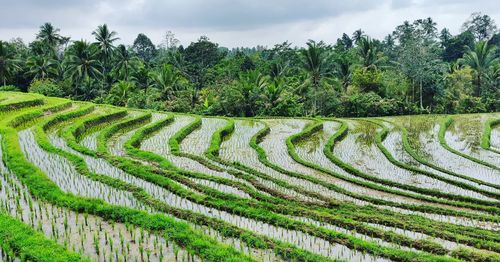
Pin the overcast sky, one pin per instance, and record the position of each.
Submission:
(233, 23)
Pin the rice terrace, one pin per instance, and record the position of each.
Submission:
(87, 181)
(300, 131)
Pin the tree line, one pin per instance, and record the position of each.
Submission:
(415, 69)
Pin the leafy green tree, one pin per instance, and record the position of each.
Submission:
(367, 79)
(346, 41)
(45, 87)
(252, 84)
(245, 96)
(286, 56)
(199, 57)
(481, 58)
(144, 48)
(371, 104)
(288, 104)
(388, 46)
(394, 84)
(459, 82)
(272, 93)
(405, 33)
(445, 36)
(426, 28)
(418, 57)
(8, 62)
(412, 70)
(455, 46)
(481, 26)
(277, 70)
(422, 65)
(247, 64)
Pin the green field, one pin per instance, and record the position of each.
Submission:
(87, 182)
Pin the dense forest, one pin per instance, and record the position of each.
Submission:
(415, 69)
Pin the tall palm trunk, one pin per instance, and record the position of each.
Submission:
(421, 96)
(103, 78)
(478, 88)
(413, 91)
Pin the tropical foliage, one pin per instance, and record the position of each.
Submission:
(415, 69)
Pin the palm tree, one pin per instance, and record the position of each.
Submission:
(120, 92)
(8, 63)
(50, 36)
(315, 63)
(480, 59)
(167, 79)
(41, 66)
(428, 26)
(122, 62)
(277, 70)
(343, 70)
(251, 84)
(368, 52)
(104, 41)
(273, 92)
(314, 60)
(82, 62)
(404, 33)
(357, 35)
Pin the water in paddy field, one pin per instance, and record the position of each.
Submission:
(495, 138)
(393, 143)
(367, 157)
(465, 134)
(425, 140)
(281, 129)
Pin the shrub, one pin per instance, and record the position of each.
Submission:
(367, 79)
(371, 104)
(45, 87)
(470, 104)
(9, 88)
(287, 105)
(149, 98)
(182, 102)
(120, 93)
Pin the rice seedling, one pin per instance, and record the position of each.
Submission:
(102, 183)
